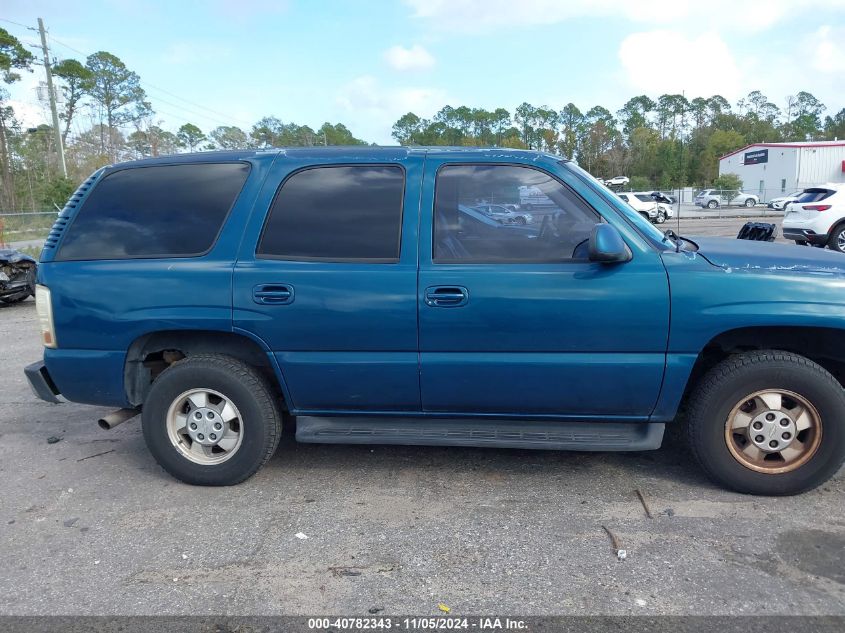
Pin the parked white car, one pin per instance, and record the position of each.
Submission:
(715, 198)
(817, 217)
(781, 202)
(644, 204)
(617, 181)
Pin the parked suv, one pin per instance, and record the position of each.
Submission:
(356, 294)
(715, 198)
(817, 217)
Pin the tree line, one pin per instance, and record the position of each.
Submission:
(106, 117)
(664, 143)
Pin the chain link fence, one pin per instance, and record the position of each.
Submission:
(25, 230)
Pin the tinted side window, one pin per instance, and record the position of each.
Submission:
(338, 213)
(550, 222)
(161, 211)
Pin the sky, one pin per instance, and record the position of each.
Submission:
(367, 62)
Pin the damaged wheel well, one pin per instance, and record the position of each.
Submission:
(825, 346)
(151, 354)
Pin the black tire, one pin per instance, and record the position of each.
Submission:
(521, 220)
(743, 374)
(833, 242)
(661, 216)
(749, 202)
(801, 242)
(251, 393)
(712, 204)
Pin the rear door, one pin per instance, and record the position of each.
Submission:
(328, 281)
(514, 320)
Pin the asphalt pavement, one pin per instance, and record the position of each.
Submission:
(89, 524)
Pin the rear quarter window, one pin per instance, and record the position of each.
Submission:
(814, 195)
(157, 211)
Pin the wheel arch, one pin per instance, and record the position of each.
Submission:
(152, 353)
(823, 345)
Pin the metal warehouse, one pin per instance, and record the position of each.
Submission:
(773, 169)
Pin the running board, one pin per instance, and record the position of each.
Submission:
(552, 435)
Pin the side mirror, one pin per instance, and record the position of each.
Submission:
(607, 245)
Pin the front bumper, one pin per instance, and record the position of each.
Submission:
(804, 235)
(40, 382)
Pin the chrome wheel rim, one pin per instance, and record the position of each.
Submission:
(204, 426)
(773, 431)
(840, 241)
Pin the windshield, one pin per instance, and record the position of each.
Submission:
(634, 217)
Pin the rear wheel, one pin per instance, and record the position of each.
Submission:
(661, 216)
(836, 241)
(768, 422)
(749, 202)
(211, 420)
(712, 204)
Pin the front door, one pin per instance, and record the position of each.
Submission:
(515, 320)
(328, 282)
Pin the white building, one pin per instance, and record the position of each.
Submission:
(773, 169)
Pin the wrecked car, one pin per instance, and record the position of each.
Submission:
(17, 276)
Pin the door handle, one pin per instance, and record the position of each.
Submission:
(273, 294)
(446, 296)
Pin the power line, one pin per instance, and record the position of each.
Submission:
(226, 118)
(17, 24)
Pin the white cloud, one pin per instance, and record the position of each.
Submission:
(413, 58)
(828, 52)
(666, 61)
(734, 15)
(370, 108)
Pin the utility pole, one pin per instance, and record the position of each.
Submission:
(56, 131)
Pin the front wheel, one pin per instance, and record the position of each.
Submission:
(211, 420)
(768, 423)
(661, 216)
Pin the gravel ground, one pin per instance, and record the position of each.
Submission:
(91, 525)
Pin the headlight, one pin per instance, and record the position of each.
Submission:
(44, 310)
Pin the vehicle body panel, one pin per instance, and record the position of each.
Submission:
(556, 336)
(100, 307)
(348, 340)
